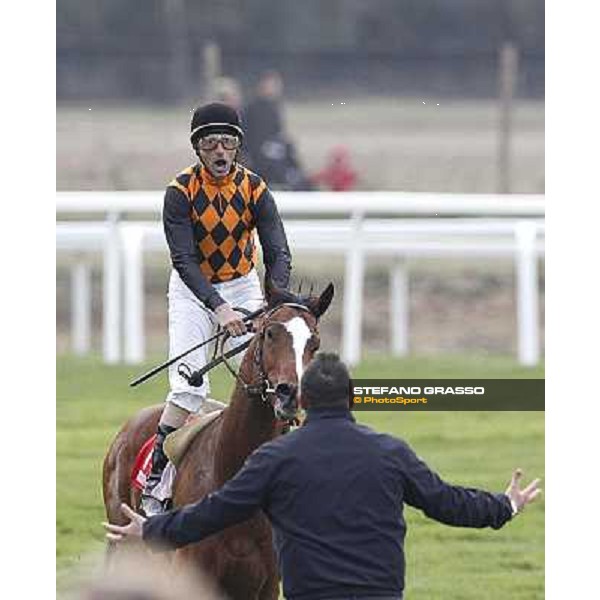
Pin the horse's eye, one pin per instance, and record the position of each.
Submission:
(313, 344)
(269, 334)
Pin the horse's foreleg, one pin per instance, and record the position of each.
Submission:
(270, 590)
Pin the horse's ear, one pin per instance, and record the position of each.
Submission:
(321, 304)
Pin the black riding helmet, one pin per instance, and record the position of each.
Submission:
(215, 118)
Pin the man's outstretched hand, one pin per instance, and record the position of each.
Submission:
(133, 530)
(519, 498)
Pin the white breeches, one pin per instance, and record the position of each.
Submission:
(190, 322)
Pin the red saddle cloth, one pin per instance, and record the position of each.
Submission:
(143, 464)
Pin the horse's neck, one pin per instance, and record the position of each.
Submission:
(247, 423)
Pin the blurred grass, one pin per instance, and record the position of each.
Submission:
(475, 449)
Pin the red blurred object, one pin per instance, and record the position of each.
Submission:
(339, 174)
(143, 464)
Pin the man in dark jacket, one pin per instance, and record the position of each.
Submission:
(334, 493)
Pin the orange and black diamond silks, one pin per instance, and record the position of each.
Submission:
(222, 218)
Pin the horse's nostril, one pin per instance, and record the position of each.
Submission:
(285, 389)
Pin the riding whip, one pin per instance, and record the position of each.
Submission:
(171, 361)
(196, 378)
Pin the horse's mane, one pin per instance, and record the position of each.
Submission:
(288, 297)
(317, 305)
(276, 297)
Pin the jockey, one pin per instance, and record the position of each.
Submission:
(211, 210)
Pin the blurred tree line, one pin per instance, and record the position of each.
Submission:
(123, 48)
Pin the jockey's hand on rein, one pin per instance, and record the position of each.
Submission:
(230, 320)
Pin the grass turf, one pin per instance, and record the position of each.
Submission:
(473, 449)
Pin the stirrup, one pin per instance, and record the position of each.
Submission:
(151, 506)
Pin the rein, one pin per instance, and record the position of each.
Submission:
(260, 390)
(263, 388)
(249, 316)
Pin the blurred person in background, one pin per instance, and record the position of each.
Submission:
(263, 118)
(270, 152)
(141, 575)
(211, 211)
(228, 91)
(334, 492)
(338, 175)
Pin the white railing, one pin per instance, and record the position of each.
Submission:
(334, 203)
(497, 226)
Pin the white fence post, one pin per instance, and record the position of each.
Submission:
(353, 294)
(399, 307)
(527, 294)
(371, 230)
(81, 308)
(111, 347)
(133, 268)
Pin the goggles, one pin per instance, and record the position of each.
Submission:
(210, 142)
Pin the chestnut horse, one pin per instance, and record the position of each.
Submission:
(240, 559)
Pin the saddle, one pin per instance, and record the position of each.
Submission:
(175, 446)
(177, 443)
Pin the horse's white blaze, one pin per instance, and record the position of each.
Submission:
(300, 333)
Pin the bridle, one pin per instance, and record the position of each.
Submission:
(262, 389)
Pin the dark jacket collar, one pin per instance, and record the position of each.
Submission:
(316, 414)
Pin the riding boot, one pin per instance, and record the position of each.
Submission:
(151, 505)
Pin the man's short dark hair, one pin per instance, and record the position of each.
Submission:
(326, 382)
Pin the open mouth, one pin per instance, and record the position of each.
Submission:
(220, 164)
